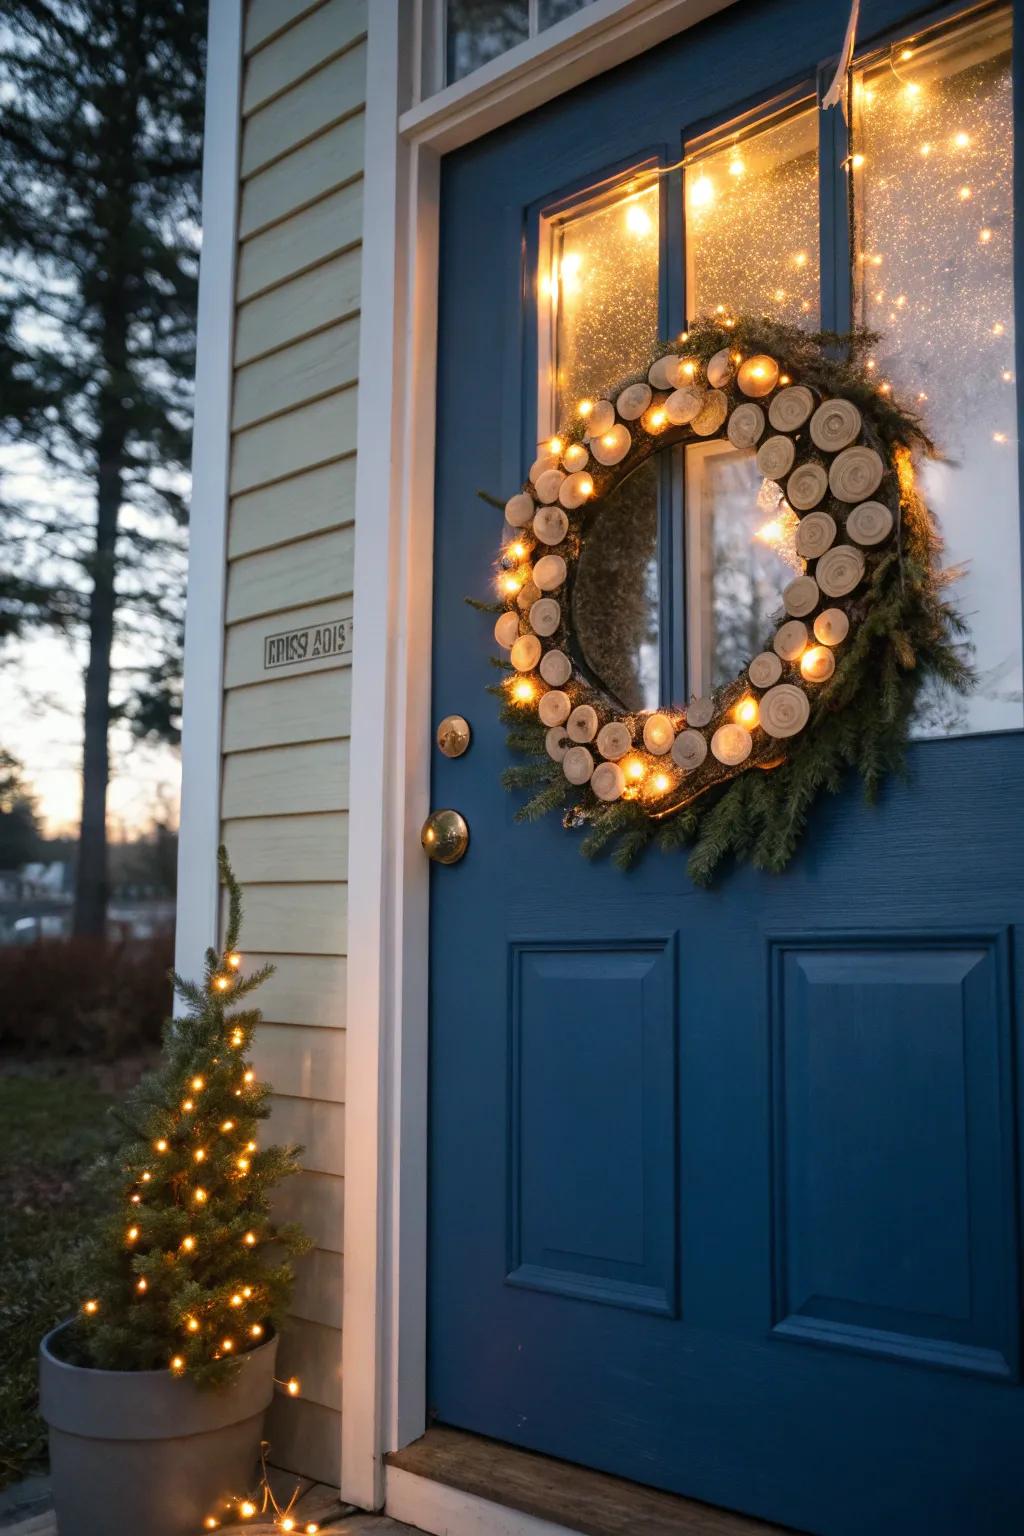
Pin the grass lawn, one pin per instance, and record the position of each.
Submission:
(53, 1125)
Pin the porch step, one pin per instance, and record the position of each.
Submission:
(573, 1498)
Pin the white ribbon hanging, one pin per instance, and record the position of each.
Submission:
(835, 96)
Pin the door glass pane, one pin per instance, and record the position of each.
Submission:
(933, 176)
(740, 553)
(752, 221)
(479, 30)
(550, 11)
(598, 307)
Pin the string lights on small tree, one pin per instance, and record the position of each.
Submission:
(183, 1276)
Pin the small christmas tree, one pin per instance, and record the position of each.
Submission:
(183, 1277)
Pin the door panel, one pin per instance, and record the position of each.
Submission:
(723, 1184)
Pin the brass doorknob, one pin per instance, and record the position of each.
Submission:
(445, 837)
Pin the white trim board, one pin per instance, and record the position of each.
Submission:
(198, 896)
(445, 1511)
(385, 1240)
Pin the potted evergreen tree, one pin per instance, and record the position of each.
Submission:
(155, 1394)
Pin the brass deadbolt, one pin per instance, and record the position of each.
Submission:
(453, 735)
(445, 837)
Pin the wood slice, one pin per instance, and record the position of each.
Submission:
(632, 401)
(555, 668)
(684, 404)
(790, 639)
(541, 464)
(817, 664)
(806, 486)
(791, 408)
(601, 418)
(700, 711)
(663, 373)
(575, 490)
(550, 525)
(765, 669)
(527, 595)
(835, 425)
(554, 707)
(801, 596)
(711, 414)
(612, 446)
(548, 485)
(869, 523)
(607, 781)
(575, 457)
(746, 425)
(545, 616)
(556, 743)
(614, 739)
(831, 627)
(526, 653)
(758, 375)
(659, 734)
(856, 473)
(550, 572)
(689, 750)
(731, 744)
(720, 368)
(506, 631)
(839, 570)
(784, 710)
(817, 531)
(519, 510)
(582, 723)
(775, 457)
(577, 765)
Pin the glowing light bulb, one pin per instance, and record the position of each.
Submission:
(635, 769)
(234, 960)
(188, 1243)
(250, 1146)
(984, 236)
(662, 783)
(227, 1345)
(964, 193)
(555, 445)
(136, 1199)
(247, 1509)
(256, 1331)
(211, 1523)
(770, 532)
(510, 584)
(584, 408)
(247, 1291)
(199, 1196)
(243, 1164)
(911, 90)
(248, 1077)
(312, 1528)
(885, 388)
(702, 192)
(221, 983)
(142, 1284)
(523, 690)
(857, 161)
(146, 1176)
(783, 378)
(998, 328)
(657, 419)
(199, 1155)
(736, 166)
(91, 1307)
(193, 1325)
(227, 1125)
(925, 150)
(516, 551)
(236, 1300)
(177, 1363)
(999, 437)
(961, 140)
(187, 1104)
(746, 712)
(800, 259)
(1007, 376)
(132, 1234)
(198, 1084)
(161, 1145)
(237, 1037)
(638, 220)
(249, 1239)
(287, 1523)
(817, 664)
(293, 1386)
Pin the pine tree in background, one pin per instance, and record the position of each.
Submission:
(100, 156)
(190, 1271)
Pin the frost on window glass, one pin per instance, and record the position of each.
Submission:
(933, 173)
(752, 222)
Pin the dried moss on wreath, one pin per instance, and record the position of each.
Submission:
(736, 772)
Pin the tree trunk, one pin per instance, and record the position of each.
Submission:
(91, 884)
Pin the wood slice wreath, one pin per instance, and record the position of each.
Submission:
(737, 771)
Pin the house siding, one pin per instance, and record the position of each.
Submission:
(284, 788)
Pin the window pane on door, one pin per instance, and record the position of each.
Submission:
(933, 176)
(477, 31)
(752, 221)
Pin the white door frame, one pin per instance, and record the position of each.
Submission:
(385, 1243)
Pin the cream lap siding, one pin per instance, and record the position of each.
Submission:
(284, 788)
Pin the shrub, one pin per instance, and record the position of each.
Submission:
(94, 997)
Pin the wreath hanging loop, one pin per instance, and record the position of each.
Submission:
(734, 771)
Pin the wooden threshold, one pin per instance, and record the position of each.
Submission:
(593, 1503)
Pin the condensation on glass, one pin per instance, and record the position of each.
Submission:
(598, 301)
(477, 31)
(751, 209)
(933, 177)
(740, 553)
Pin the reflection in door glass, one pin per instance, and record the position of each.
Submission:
(752, 222)
(933, 179)
(479, 30)
(739, 555)
(615, 592)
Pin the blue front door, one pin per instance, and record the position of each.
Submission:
(724, 1193)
